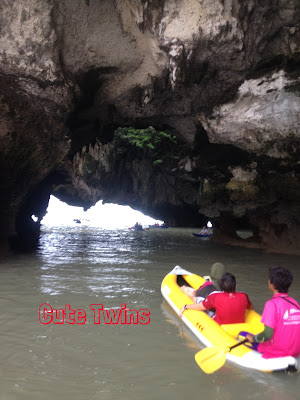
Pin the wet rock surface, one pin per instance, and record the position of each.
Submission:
(222, 77)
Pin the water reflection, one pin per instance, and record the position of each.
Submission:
(81, 262)
(92, 245)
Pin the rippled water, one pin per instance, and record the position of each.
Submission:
(82, 266)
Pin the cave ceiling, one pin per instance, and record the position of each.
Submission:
(221, 79)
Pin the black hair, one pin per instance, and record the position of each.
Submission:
(281, 278)
(227, 282)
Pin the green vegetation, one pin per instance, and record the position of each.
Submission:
(159, 146)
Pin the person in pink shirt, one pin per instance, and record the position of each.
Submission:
(281, 319)
(210, 285)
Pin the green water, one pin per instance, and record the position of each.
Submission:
(81, 266)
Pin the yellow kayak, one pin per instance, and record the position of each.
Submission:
(210, 333)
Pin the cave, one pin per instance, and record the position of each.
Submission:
(147, 105)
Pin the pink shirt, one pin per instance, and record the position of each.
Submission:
(207, 283)
(284, 318)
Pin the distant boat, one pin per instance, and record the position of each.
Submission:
(137, 227)
(202, 234)
(163, 226)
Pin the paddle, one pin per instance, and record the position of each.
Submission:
(213, 358)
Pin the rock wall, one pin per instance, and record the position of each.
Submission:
(222, 76)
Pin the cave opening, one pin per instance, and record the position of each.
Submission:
(244, 233)
(244, 228)
(105, 216)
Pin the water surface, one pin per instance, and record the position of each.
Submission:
(82, 266)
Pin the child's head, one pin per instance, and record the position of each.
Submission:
(280, 278)
(228, 282)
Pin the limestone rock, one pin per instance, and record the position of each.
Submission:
(221, 76)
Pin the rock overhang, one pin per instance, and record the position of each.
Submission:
(223, 78)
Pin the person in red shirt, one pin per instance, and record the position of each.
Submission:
(229, 304)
